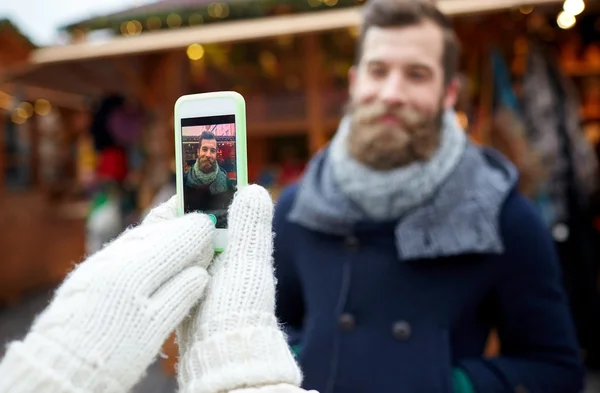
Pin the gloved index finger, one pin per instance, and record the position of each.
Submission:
(169, 247)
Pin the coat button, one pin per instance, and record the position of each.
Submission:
(401, 330)
(351, 243)
(347, 321)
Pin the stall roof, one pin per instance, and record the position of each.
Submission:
(6, 24)
(16, 48)
(239, 9)
(247, 30)
(52, 67)
(145, 9)
(235, 31)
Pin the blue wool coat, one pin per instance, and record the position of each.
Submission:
(370, 321)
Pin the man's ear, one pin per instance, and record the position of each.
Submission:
(451, 94)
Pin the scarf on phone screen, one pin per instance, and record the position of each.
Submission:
(217, 179)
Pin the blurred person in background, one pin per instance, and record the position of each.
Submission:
(404, 244)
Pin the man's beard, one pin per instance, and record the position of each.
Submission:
(384, 147)
(206, 164)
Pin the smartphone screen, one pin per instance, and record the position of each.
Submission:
(209, 165)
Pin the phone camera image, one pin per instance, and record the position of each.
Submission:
(209, 165)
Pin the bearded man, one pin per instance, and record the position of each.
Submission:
(206, 186)
(404, 245)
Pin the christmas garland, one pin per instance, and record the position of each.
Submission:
(202, 14)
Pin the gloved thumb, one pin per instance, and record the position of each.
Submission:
(250, 233)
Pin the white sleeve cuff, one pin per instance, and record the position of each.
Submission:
(38, 365)
(251, 356)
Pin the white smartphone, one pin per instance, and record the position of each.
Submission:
(210, 152)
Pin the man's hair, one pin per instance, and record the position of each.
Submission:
(206, 135)
(404, 13)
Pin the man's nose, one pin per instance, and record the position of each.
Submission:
(393, 91)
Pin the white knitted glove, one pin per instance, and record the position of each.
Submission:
(110, 317)
(233, 339)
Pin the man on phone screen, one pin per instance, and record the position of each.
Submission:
(404, 245)
(207, 187)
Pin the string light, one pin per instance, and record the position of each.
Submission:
(526, 9)
(27, 109)
(571, 8)
(153, 23)
(195, 19)
(134, 27)
(195, 52)
(574, 7)
(42, 107)
(131, 27)
(218, 10)
(565, 20)
(17, 119)
(173, 20)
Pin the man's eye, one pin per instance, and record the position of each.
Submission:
(377, 72)
(417, 75)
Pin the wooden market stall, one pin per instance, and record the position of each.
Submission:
(15, 51)
(22, 106)
(290, 61)
(33, 256)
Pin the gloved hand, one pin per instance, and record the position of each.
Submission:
(111, 315)
(232, 340)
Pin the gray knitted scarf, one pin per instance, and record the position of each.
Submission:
(458, 213)
(386, 195)
(217, 179)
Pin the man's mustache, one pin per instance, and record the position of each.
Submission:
(371, 113)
